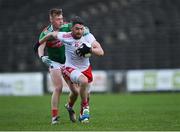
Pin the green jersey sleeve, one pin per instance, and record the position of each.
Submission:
(66, 27)
(41, 35)
(45, 32)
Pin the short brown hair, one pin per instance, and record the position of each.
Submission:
(55, 12)
(77, 20)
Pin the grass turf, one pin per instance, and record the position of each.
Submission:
(127, 112)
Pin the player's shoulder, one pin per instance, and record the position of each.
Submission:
(66, 27)
(89, 38)
(47, 29)
(88, 35)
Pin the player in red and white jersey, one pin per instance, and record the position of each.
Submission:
(77, 66)
(71, 44)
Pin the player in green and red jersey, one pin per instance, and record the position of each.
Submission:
(55, 49)
(77, 66)
(55, 60)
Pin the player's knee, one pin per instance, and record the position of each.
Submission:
(75, 92)
(58, 90)
(84, 81)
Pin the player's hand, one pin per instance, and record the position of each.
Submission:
(54, 34)
(86, 31)
(83, 50)
(46, 60)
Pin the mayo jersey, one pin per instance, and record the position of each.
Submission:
(71, 44)
(55, 49)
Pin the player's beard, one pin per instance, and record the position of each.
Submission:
(77, 36)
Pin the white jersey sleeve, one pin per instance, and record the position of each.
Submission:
(60, 36)
(65, 37)
(89, 38)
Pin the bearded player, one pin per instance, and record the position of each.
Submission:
(55, 59)
(77, 66)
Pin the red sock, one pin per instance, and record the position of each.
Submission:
(88, 99)
(71, 104)
(84, 104)
(54, 112)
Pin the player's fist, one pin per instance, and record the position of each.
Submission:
(84, 50)
(46, 60)
(86, 31)
(54, 34)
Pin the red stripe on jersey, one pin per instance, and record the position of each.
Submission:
(68, 35)
(54, 43)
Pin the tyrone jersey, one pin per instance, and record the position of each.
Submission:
(71, 44)
(55, 48)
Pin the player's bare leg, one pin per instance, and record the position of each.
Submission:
(57, 82)
(84, 113)
(89, 91)
(73, 95)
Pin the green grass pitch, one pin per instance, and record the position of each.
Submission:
(127, 112)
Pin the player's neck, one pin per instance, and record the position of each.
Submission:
(54, 28)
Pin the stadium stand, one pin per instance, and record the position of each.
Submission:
(135, 34)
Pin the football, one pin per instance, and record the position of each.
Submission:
(84, 50)
(87, 55)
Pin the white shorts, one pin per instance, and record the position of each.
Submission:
(56, 66)
(73, 74)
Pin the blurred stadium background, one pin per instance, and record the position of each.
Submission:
(141, 43)
(140, 39)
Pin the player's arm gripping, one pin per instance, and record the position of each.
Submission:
(48, 36)
(83, 49)
(44, 59)
(97, 49)
(41, 49)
